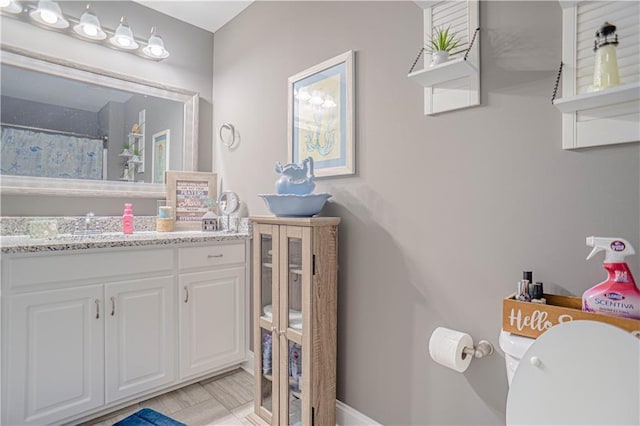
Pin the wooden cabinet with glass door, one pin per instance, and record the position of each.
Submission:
(295, 283)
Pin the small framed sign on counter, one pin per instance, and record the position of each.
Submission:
(188, 192)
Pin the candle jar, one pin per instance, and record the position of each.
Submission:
(165, 217)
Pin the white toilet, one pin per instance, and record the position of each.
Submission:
(576, 373)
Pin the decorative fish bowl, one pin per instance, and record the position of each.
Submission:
(294, 189)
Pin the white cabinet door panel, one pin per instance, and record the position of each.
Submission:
(140, 322)
(212, 323)
(57, 345)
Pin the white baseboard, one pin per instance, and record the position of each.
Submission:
(248, 364)
(345, 415)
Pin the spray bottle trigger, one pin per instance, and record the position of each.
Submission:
(593, 252)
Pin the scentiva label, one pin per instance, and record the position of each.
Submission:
(614, 296)
(612, 303)
(617, 246)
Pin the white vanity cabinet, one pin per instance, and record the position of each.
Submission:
(211, 307)
(85, 330)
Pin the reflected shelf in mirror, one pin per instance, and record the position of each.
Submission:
(134, 97)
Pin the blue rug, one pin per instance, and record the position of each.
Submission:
(148, 417)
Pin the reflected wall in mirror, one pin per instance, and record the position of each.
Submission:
(68, 127)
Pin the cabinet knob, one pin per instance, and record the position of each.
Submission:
(113, 306)
(186, 292)
(281, 332)
(214, 255)
(97, 309)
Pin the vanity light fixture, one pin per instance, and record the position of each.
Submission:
(46, 14)
(123, 37)
(316, 98)
(329, 102)
(89, 26)
(11, 6)
(155, 47)
(49, 14)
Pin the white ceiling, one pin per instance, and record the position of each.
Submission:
(209, 15)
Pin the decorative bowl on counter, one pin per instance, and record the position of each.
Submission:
(294, 205)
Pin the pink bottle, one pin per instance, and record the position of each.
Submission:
(618, 295)
(127, 219)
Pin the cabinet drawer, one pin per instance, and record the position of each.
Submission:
(222, 254)
(33, 270)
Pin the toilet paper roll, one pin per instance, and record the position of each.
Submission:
(446, 348)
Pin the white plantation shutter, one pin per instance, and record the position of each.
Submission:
(625, 15)
(453, 15)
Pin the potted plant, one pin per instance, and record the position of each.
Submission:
(136, 154)
(442, 42)
(125, 148)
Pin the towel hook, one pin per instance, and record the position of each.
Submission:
(230, 142)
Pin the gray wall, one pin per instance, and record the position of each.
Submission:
(189, 67)
(112, 121)
(47, 116)
(161, 114)
(445, 212)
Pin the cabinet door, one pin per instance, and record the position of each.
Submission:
(265, 319)
(212, 324)
(55, 346)
(140, 346)
(294, 326)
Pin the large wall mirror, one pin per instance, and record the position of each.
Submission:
(69, 129)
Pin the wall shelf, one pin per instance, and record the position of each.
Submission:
(445, 72)
(609, 116)
(602, 98)
(454, 84)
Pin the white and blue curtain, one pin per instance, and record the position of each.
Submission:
(32, 153)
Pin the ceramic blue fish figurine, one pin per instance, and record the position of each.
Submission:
(296, 178)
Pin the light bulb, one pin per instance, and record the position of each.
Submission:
(155, 47)
(304, 95)
(123, 41)
(329, 103)
(49, 17)
(48, 13)
(11, 6)
(156, 50)
(90, 30)
(316, 99)
(89, 26)
(123, 37)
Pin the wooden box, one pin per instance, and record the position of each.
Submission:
(532, 319)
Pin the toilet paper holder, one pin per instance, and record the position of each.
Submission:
(455, 350)
(481, 350)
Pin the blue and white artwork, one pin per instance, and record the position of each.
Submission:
(30, 153)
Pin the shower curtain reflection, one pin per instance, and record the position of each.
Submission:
(45, 154)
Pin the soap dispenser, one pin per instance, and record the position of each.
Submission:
(127, 219)
(605, 73)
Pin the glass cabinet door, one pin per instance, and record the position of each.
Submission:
(295, 281)
(265, 302)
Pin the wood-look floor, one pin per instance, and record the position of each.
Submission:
(225, 400)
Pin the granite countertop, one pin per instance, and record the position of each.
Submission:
(26, 244)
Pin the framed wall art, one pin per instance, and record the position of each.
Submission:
(160, 154)
(321, 116)
(188, 192)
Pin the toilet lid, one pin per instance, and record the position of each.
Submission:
(578, 373)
